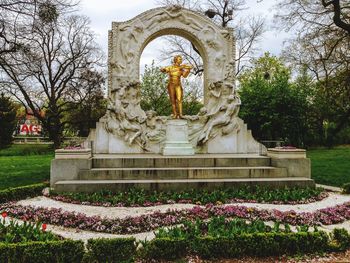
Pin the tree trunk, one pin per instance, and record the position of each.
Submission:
(55, 131)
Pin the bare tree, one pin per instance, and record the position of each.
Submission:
(306, 16)
(248, 33)
(323, 47)
(224, 13)
(341, 13)
(189, 4)
(178, 45)
(50, 56)
(17, 13)
(87, 103)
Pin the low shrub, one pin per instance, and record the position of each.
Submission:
(341, 239)
(346, 188)
(257, 244)
(67, 251)
(166, 248)
(111, 250)
(22, 192)
(261, 244)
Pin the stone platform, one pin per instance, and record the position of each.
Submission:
(157, 172)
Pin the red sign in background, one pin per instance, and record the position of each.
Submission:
(31, 129)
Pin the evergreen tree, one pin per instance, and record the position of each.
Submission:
(272, 105)
(7, 121)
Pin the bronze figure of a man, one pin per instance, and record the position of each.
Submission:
(175, 72)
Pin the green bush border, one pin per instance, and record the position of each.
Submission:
(165, 248)
(346, 188)
(110, 250)
(22, 192)
(67, 251)
(124, 249)
(259, 244)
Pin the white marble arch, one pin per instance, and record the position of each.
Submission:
(128, 39)
(126, 128)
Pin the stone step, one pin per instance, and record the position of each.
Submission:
(180, 184)
(158, 161)
(181, 173)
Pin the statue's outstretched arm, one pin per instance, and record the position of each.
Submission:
(186, 69)
(165, 69)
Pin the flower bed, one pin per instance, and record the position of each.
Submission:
(156, 220)
(137, 197)
(222, 227)
(29, 242)
(13, 232)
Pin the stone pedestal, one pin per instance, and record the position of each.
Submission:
(294, 160)
(68, 163)
(177, 142)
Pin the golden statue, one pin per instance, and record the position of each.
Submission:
(176, 71)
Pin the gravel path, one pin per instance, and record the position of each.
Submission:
(108, 212)
(84, 235)
(121, 212)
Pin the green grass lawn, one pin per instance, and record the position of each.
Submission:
(27, 149)
(330, 166)
(24, 164)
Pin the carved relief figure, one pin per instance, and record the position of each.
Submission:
(214, 93)
(154, 129)
(175, 72)
(224, 117)
(230, 71)
(128, 125)
(125, 113)
(213, 38)
(172, 12)
(127, 47)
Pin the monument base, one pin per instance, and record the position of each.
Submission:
(155, 172)
(177, 142)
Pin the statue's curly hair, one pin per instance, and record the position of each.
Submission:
(177, 56)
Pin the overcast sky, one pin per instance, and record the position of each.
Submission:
(103, 12)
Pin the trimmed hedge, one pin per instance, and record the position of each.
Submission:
(111, 250)
(346, 188)
(67, 251)
(340, 240)
(259, 244)
(124, 249)
(22, 192)
(166, 248)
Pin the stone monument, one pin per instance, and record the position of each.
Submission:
(217, 129)
(134, 148)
